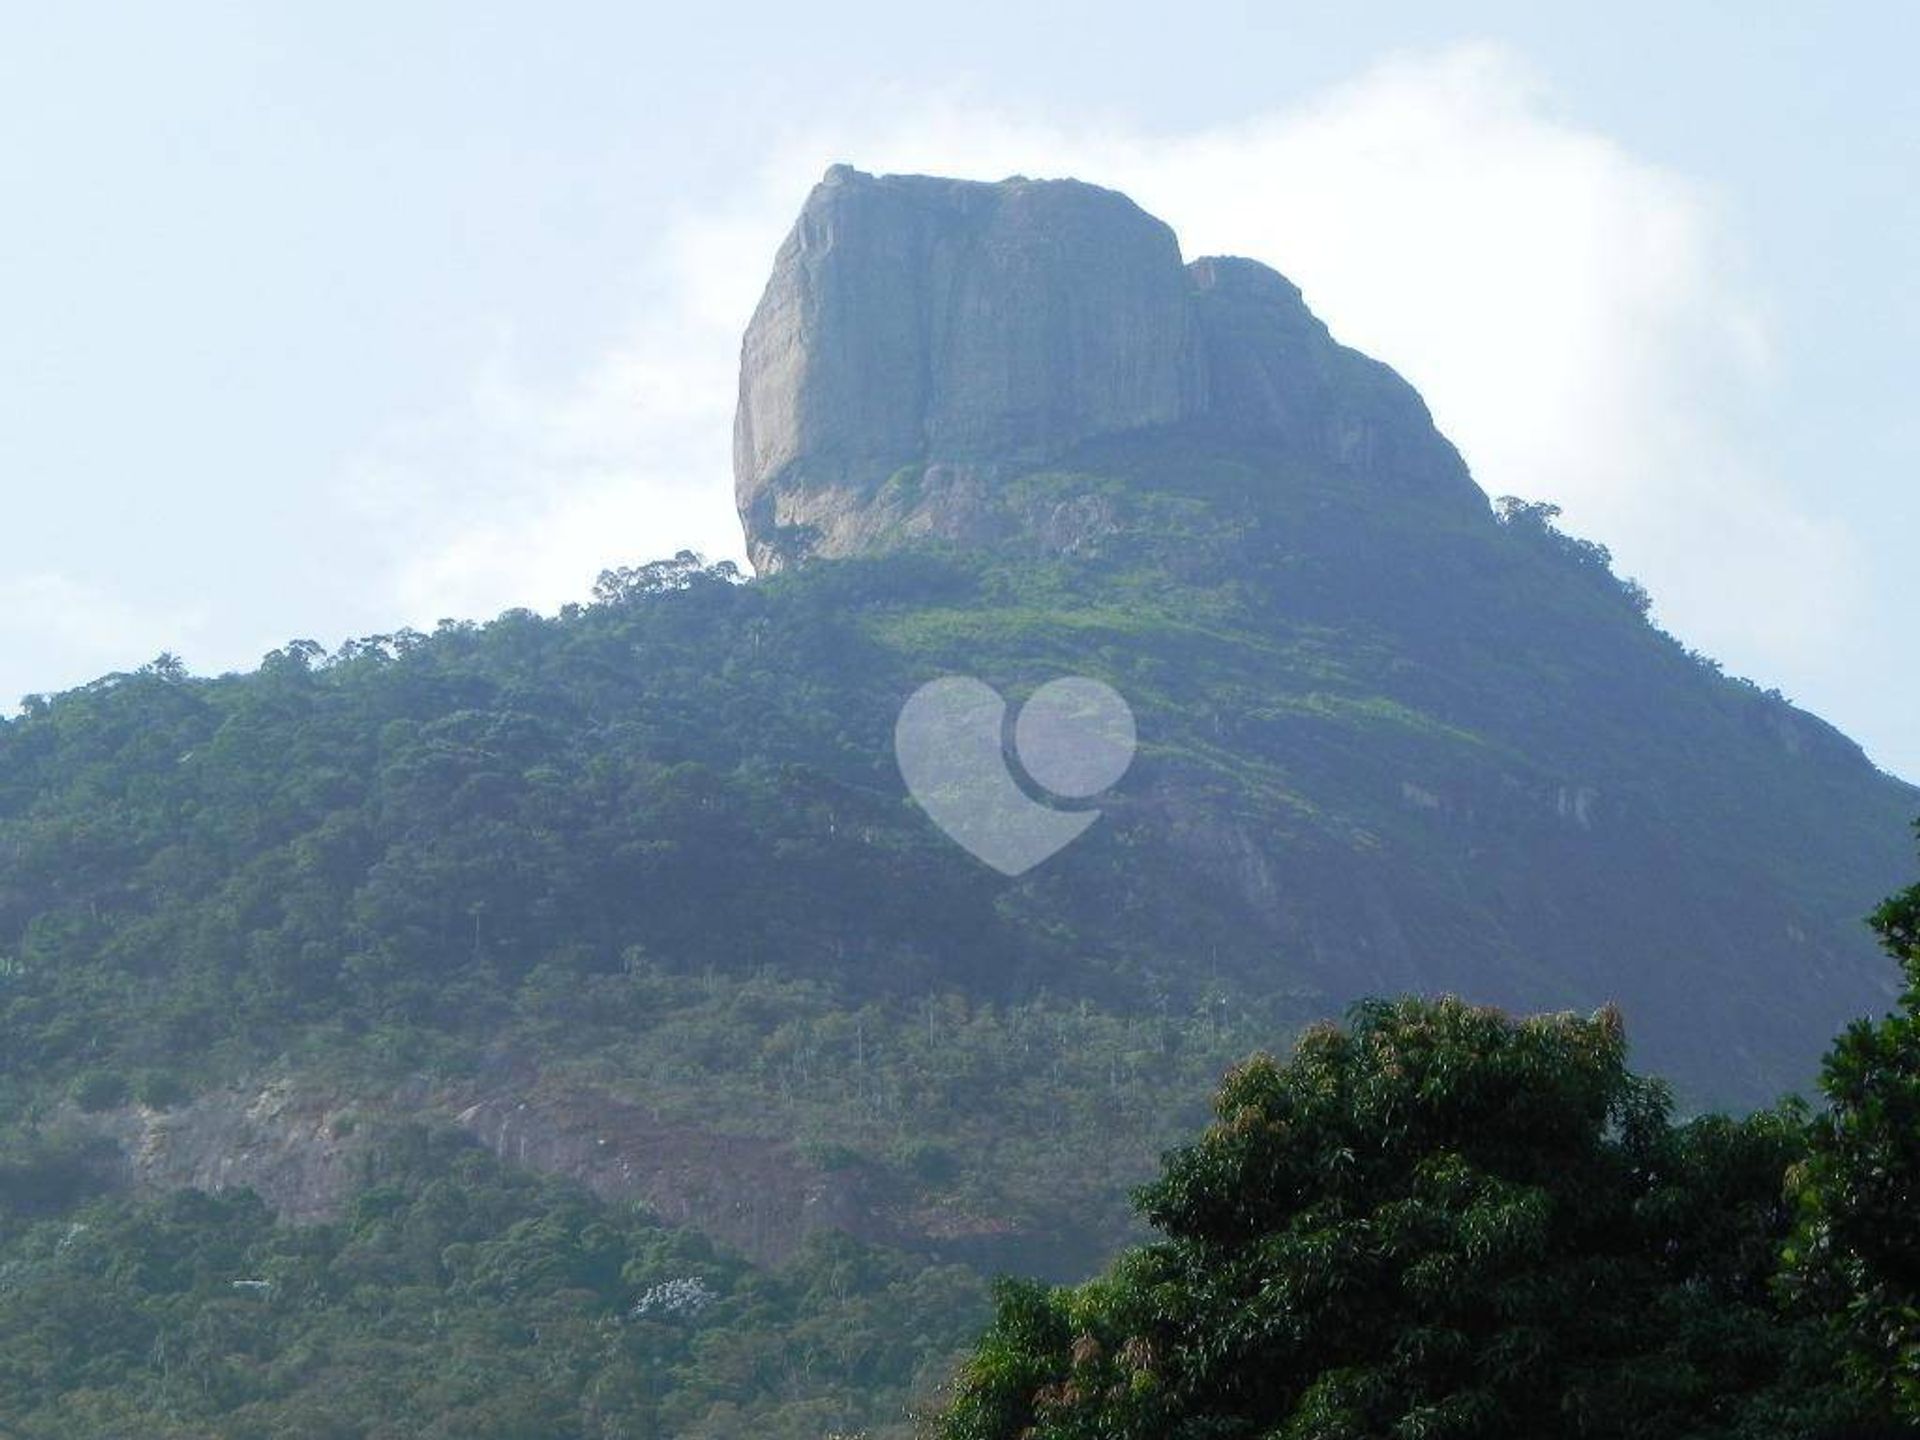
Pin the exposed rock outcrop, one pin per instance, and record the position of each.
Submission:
(304, 1150)
(912, 318)
(924, 340)
(1273, 372)
(298, 1148)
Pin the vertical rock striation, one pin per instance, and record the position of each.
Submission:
(923, 339)
(1274, 373)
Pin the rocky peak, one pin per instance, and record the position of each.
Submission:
(1274, 373)
(962, 331)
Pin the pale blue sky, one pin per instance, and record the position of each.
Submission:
(321, 320)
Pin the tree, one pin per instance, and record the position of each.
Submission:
(1857, 1247)
(661, 577)
(1437, 1222)
(1538, 521)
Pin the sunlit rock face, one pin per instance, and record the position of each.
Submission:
(922, 340)
(912, 319)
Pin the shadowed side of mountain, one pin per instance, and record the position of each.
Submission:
(1398, 741)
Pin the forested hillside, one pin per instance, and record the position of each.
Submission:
(633, 898)
(453, 1298)
(1440, 1220)
(651, 853)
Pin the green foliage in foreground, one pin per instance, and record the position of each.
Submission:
(1858, 1246)
(1437, 1222)
(455, 1301)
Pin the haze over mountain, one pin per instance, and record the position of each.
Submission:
(635, 896)
(1475, 765)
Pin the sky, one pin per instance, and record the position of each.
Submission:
(317, 321)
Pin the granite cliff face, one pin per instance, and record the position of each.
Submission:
(922, 341)
(1273, 373)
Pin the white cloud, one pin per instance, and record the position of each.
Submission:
(519, 496)
(64, 631)
(1575, 316)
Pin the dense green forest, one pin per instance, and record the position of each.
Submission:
(1344, 787)
(455, 1298)
(612, 846)
(427, 858)
(1444, 1222)
(1436, 1221)
(647, 863)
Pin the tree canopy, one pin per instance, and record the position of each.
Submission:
(1437, 1221)
(1857, 1249)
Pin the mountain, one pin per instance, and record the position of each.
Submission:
(1395, 740)
(635, 894)
(970, 332)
